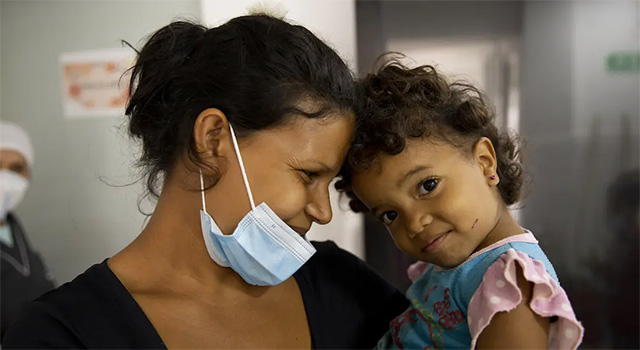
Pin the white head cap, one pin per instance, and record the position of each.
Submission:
(14, 138)
(269, 8)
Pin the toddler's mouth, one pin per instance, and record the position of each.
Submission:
(436, 242)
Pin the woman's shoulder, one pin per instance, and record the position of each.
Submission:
(40, 325)
(95, 289)
(331, 260)
(339, 288)
(51, 320)
(332, 267)
(93, 310)
(335, 273)
(330, 250)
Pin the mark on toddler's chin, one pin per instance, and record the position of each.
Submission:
(474, 223)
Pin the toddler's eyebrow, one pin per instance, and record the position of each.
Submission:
(411, 172)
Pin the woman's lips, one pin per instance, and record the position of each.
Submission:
(436, 243)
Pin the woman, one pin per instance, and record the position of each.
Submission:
(243, 126)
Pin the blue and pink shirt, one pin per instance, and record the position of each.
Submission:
(450, 307)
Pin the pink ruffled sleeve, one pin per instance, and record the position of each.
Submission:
(416, 270)
(499, 292)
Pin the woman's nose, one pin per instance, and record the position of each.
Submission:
(319, 208)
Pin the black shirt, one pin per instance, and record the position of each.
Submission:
(24, 275)
(347, 304)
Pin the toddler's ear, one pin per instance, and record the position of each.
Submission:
(485, 156)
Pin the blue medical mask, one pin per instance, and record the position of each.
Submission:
(263, 249)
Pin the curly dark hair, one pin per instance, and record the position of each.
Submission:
(399, 103)
(255, 69)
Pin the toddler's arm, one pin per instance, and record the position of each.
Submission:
(520, 328)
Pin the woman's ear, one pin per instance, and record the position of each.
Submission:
(211, 135)
(485, 156)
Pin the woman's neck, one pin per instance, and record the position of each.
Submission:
(170, 250)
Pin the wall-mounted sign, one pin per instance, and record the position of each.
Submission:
(94, 83)
(623, 62)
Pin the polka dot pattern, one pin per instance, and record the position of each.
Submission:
(499, 292)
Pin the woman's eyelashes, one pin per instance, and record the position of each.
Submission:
(308, 175)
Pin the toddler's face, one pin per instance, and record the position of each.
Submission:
(438, 204)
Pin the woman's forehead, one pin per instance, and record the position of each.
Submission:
(323, 140)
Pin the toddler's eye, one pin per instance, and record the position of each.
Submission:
(427, 186)
(388, 217)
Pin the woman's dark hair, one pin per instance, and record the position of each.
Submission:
(401, 103)
(255, 69)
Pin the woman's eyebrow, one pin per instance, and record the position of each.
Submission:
(324, 166)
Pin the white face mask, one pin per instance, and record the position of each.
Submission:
(12, 190)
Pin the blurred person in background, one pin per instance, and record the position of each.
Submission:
(623, 266)
(24, 275)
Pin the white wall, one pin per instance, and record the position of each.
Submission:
(605, 114)
(601, 28)
(334, 22)
(72, 217)
(331, 20)
(577, 139)
(578, 144)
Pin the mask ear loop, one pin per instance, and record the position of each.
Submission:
(204, 207)
(244, 173)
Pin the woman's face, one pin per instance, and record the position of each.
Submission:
(289, 168)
